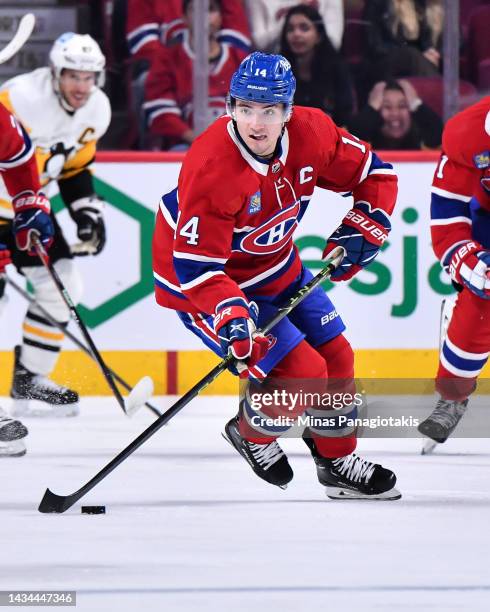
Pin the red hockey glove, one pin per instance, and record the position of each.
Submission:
(32, 215)
(234, 324)
(4, 258)
(469, 266)
(361, 234)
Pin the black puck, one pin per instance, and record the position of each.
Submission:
(93, 509)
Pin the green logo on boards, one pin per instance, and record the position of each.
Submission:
(93, 317)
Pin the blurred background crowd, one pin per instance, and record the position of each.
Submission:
(375, 66)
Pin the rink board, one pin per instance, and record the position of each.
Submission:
(391, 311)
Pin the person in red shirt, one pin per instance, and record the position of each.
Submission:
(168, 106)
(224, 258)
(152, 23)
(460, 227)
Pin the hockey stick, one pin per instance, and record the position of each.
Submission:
(143, 389)
(59, 503)
(23, 32)
(72, 337)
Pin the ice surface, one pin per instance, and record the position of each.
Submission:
(189, 527)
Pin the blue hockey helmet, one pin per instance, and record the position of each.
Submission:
(264, 78)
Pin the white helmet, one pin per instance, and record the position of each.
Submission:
(76, 52)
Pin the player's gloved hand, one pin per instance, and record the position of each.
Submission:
(4, 258)
(469, 265)
(87, 214)
(235, 324)
(32, 216)
(361, 234)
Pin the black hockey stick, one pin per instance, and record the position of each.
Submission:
(59, 503)
(143, 389)
(72, 337)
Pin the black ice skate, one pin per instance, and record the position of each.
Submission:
(352, 477)
(11, 434)
(36, 395)
(268, 461)
(439, 425)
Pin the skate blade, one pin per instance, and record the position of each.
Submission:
(428, 447)
(15, 448)
(344, 494)
(23, 408)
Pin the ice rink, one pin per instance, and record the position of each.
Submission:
(190, 527)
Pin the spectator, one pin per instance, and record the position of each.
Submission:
(404, 37)
(151, 23)
(322, 77)
(168, 92)
(396, 118)
(266, 18)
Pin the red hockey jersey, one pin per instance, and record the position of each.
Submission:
(168, 105)
(463, 166)
(151, 22)
(17, 161)
(228, 227)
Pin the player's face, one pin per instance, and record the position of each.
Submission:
(76, 85)
(395, 113)
(301, 34)
(259, 125)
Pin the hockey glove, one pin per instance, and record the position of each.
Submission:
(361, 234)
(234, 324)
(87, 214)
(469, 266)
(4, 258)
(32, 216)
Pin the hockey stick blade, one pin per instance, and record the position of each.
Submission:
(56, 503)
(139, 395)
(59, 503)
(26, 26)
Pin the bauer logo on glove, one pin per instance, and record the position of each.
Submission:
(361, 234)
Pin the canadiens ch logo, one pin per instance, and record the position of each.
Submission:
(272, 235)
(255, 203)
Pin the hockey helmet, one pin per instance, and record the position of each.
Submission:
(264, 78)
(77, 52)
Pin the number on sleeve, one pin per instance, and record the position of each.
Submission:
(440, 167)
(354, 143)
(190, 232)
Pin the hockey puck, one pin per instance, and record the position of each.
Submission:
(93, 509)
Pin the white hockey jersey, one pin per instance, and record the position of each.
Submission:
(65, 143)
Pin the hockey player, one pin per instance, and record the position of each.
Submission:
(21, 179)
(11, 430)
(225, 260)
(460, 227)
(65, 112)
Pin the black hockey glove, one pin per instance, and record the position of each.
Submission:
(87, 214)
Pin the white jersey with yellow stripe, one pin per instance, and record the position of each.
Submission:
(64, 142)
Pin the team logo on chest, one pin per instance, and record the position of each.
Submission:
(272, 235)
(482, 160)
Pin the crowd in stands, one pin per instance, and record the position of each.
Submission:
(374, 66)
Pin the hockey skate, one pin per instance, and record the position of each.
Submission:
(268, 461)
(441, 423)
(35, 395)
(11, 434)
(352, 477)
